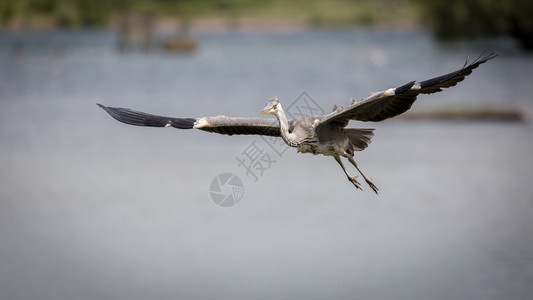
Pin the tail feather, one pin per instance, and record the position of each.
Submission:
(359, 138)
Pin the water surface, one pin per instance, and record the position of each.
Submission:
(91, 208)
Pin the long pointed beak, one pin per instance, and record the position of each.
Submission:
(265, 111)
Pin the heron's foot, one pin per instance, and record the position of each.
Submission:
(353, 179)
(371, 184)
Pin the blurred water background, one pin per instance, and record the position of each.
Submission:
(94, 209)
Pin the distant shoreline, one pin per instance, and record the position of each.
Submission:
(214, 24)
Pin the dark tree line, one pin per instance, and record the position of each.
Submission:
(459, 19)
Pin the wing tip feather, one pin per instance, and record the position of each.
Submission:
(404, 88)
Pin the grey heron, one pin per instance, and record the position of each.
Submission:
(325, 134)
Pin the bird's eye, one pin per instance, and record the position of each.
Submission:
(274, 106)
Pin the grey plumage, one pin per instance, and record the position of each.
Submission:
(324, 134)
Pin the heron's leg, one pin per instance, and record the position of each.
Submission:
(367, 179)
(353, 179)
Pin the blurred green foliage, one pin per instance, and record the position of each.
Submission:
(450, 19)
(460, 19)
(93, 12)
(64, 12)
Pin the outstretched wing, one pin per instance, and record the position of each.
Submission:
(392, 102)
(219, 124)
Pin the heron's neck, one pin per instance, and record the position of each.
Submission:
(288, 137)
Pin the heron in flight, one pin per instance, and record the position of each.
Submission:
(324, 134)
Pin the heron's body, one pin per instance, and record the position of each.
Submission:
(326, 134)
(326, 140)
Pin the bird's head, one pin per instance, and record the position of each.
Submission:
(272, 107)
